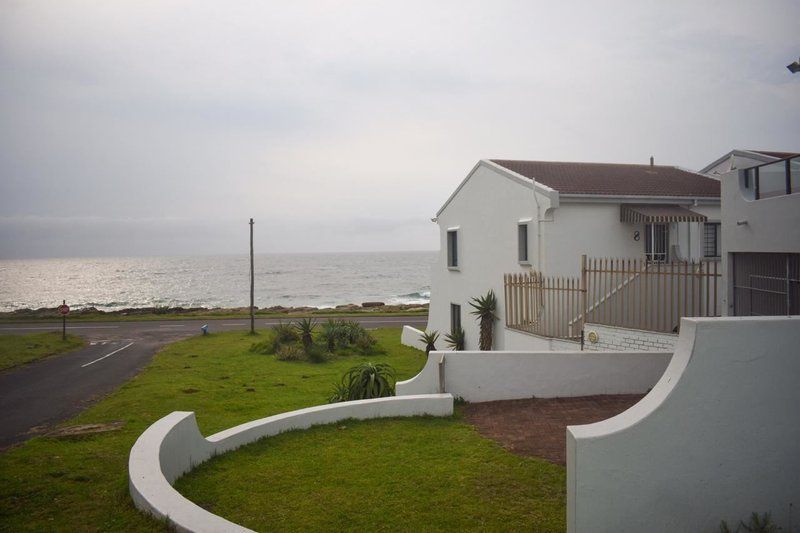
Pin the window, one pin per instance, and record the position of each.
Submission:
(455, 318)
(522, 241)
(656, 241)
(452, 248)
(711, 241)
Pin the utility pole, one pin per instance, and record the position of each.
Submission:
(252, 284)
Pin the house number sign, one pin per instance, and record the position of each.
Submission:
(636, 236)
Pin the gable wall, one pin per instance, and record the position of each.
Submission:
(487, 210)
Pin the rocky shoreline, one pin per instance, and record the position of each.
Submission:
(366, 307)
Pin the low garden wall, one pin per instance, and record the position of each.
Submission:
(173, 446)
(716, 439)
(507, 375)
(410, 337)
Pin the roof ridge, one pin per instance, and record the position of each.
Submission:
(648, 165)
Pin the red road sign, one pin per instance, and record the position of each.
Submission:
(63, 309)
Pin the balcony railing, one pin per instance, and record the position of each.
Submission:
(778, 178)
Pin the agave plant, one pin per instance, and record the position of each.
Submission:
(363, 381)
(331, 333)
(484, 308)
(456, 339)
(429, 338)
(305, 327)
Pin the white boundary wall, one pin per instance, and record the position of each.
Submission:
(716, 439)
(173, 446)
(488, 376)
(410, 337)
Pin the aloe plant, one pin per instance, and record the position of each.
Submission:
(305, 327)
(456, 339)
(429, 338)
(363, 381)
(484, 308)
(331, 333)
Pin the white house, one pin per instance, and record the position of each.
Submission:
(761, 238)
(521, 216)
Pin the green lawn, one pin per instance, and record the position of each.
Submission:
(393, 474)
(20, 349)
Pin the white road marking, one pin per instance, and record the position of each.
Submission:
(234, 324)
(172, 325)
(107, 355)
(59, 327)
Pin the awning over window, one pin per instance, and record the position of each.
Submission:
(654, 214)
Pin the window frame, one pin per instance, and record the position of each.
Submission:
(452, 248)
(649, 242)
(523, 244)
(455, 317)
(717, 240)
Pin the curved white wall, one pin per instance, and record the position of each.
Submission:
(173, 446)
(488, 376)
(716, 439)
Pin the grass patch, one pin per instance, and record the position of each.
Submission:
(20, 349)
(421, 474)
(434, 467)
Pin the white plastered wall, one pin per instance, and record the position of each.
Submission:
(716, 438)
(769, 225)
(486, 210)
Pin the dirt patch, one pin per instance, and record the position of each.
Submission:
(190, 391)
(537, 426)
(85, 429)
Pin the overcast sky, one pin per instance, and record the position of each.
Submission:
(157, 127)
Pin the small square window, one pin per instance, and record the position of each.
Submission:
(452, 248)
(522, 242)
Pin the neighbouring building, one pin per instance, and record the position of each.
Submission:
(761, 238)
(521, 228)
(742, 159)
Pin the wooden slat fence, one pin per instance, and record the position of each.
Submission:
(630, 293)
(543, 305)
(640, 294)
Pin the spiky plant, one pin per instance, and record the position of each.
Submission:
(363, 381)
(305, 327)
(484, 308)
(429, 338)
(331, 332)
(456, 339)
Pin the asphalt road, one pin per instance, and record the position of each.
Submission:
(36, 396)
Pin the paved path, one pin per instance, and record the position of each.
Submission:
(36, 396)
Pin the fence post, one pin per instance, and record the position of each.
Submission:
(583, 296)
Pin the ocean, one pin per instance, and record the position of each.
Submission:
(289, 280)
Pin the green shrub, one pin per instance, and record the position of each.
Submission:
(363, 381)
(263, 347)
(290, 352)
(305, 328)
(315, 354)
(367, 345)
(331, 334)
(456, 339)
(757, 524)
(429, 338)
